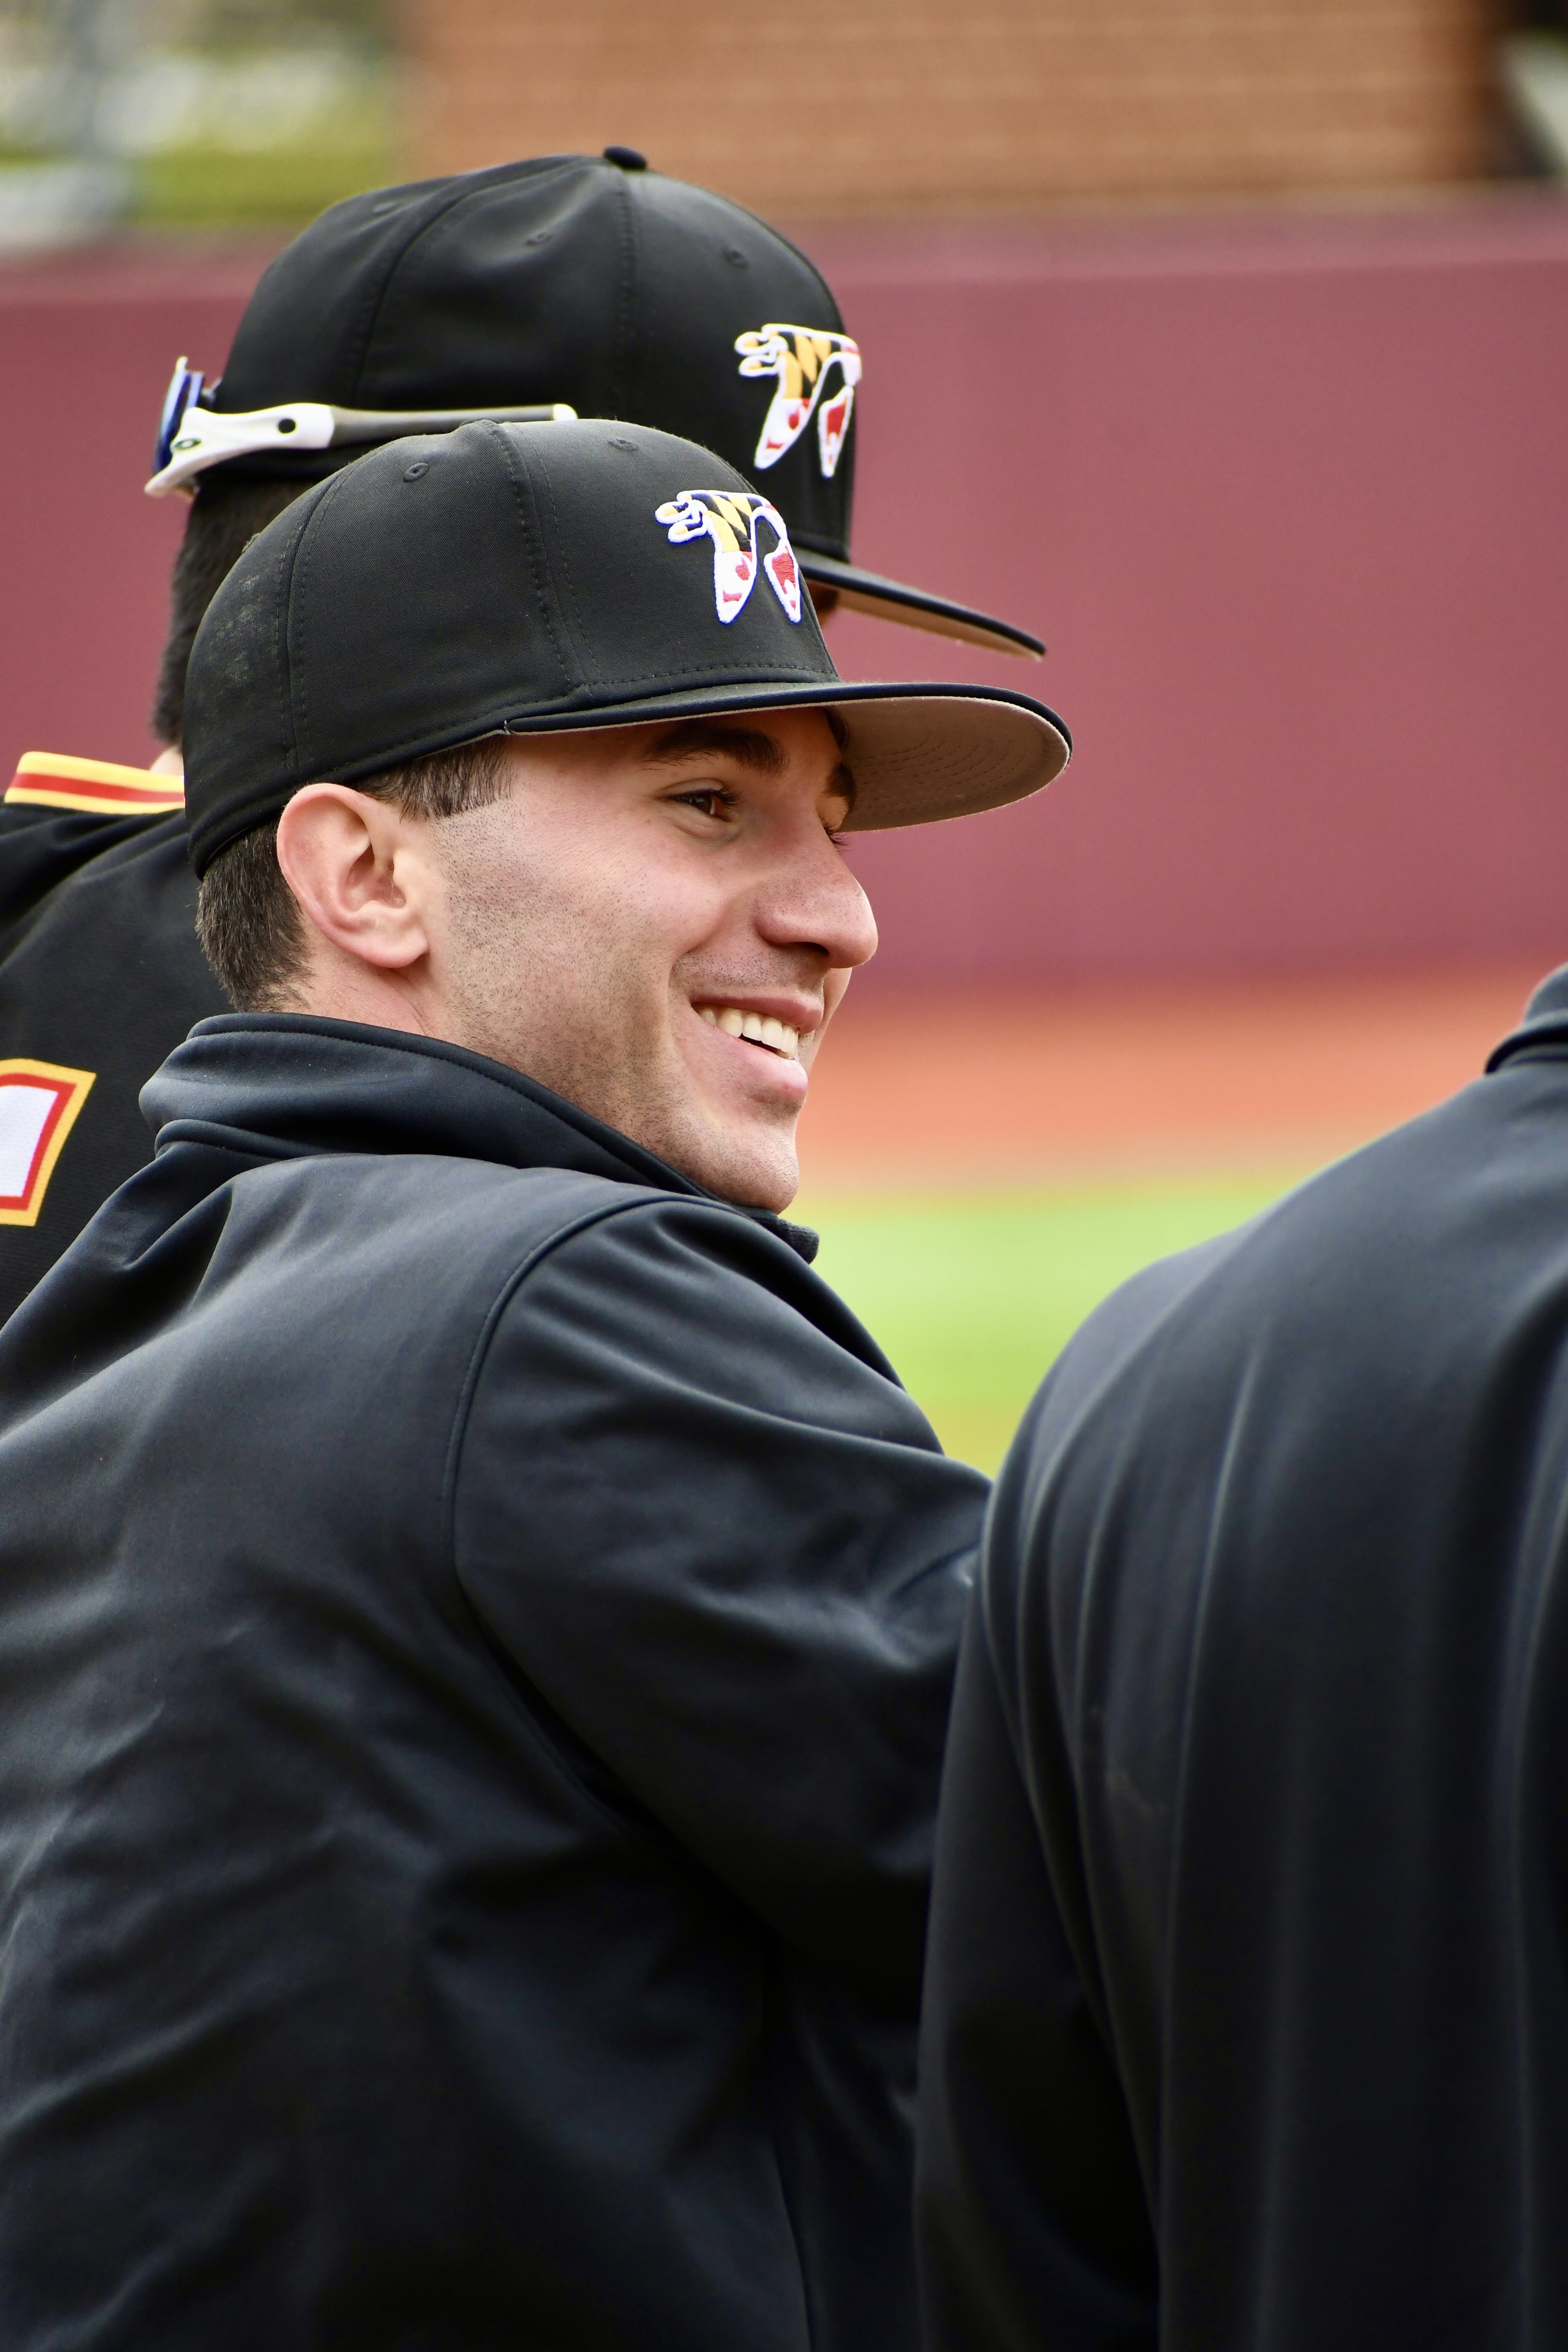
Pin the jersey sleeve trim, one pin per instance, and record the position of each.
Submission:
(95, 787)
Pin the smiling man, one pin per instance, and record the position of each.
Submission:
(477, 1613)
(657, 923)
(563, 283)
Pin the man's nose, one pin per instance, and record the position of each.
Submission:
(814, 900)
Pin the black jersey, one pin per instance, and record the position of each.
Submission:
(1247, 1997)
(101, 977)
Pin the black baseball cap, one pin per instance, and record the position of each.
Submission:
(577, 281)
(529, 579)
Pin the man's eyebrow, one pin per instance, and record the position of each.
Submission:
(690, 739)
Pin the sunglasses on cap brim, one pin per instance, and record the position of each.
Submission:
(192, 435)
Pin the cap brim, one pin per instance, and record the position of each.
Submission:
(890, 600)
(918, 753)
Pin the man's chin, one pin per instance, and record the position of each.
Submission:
(744, 1160)
(754, 1179)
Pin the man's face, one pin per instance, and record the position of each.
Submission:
(658, 922)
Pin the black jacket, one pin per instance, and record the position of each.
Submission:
(475, 1626)
(100, 970)
(1250, 1959)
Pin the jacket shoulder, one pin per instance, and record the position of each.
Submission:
(448, 1229)
(672, 1264)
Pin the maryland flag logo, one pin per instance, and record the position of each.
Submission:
(803, 363)
(38, 1107)
(730, 518)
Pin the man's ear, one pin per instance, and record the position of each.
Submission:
(357, 869)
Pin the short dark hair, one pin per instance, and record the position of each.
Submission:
(246, 917)
(224, 517)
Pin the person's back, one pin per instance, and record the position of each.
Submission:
(423, 1924)
(1249, 1968)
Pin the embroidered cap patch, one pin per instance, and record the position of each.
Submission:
(38, 1107)
(803, 362)
(730, 518)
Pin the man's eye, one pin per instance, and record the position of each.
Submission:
(712, 800)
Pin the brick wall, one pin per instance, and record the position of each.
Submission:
(863, 106)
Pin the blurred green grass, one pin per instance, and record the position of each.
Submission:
(971, 1296)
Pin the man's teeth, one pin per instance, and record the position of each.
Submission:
(759, 1027)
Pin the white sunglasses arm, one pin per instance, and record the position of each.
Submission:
(206, 435)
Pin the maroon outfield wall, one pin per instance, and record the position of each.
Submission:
(1289, 496)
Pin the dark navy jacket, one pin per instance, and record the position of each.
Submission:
(1249, 1954)
(475, 1625)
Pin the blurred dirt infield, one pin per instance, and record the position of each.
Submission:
(1040, 1087)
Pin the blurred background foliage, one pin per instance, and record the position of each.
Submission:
(215, 114)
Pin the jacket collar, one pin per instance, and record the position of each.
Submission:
(283, 1086)
(1544, 1028)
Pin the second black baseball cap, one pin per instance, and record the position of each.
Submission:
(526, 578)
(587, 282)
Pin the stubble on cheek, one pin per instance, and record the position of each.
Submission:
(569, 988)
(546, 981)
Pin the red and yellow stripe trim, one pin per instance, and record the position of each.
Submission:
(94, 787)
